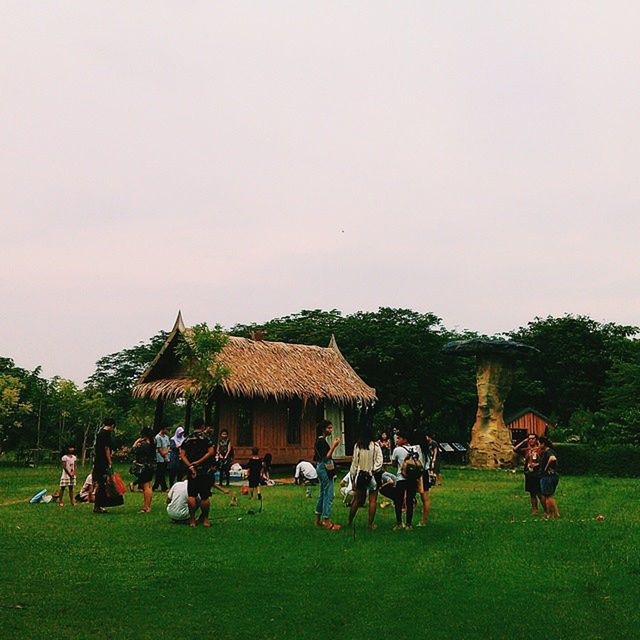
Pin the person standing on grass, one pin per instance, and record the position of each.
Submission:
(409, 460)
(197, 455)
(162, 444)
(428, 478)
(325, 469)
(255, 473)
(102, 464)
(549, 478)
(432, 455)
(385, 446)
(68, 477)
(224, 456)
(174, 454)
(531, 454)
(144, 462)
(366, 473)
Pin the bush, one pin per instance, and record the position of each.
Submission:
(606, 460)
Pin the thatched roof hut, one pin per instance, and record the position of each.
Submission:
(261, 369)
(273, 396)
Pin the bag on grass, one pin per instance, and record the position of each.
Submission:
(115, 485)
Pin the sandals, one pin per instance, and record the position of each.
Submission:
(332, 526)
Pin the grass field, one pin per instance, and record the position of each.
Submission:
(483, 568)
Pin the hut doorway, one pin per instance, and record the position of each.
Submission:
(333, 413)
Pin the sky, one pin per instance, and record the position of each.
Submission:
(244, 161)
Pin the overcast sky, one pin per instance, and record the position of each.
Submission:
(242, 161)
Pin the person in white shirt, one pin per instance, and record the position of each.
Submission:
(177, 506)
(305, 473)
(406, 487)
(366, 464)
(86, 491)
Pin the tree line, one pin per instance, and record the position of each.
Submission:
(585, 378)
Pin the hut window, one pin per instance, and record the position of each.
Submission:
(294, 418)
(245, 425)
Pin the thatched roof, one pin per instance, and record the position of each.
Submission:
(261, 369)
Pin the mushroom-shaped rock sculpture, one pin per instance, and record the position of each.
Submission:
(490, 438)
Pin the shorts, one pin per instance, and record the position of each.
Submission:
(532, 483)
(66, 481)
(424, 482)
(144, 477)
(548, 484)
(254, 482)
(200, 486)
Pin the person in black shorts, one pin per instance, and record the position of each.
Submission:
(255, 473)
(197, 455)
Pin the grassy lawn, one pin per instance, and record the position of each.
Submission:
(483, 568)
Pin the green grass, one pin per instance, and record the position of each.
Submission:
(483, 568)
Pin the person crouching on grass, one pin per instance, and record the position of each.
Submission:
(197, 454)
(68, 477)
(255, 473)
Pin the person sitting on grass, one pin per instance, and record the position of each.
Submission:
(255, 473)
(197, 455)
(86, 491)
(548, 478)
(387, 488)
(178, 500)
(305, 473)
(346, 490)
(265, 478)
(531, 454)
(68, 477)
(366, 464)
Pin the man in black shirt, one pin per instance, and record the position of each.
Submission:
(102, 464)
(197, 454)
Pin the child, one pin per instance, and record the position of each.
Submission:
(68, 477)
(255, 473)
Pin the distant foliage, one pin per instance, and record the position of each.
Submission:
(586, 378)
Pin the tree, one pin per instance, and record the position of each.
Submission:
(13, 406)
(198, 353)
(570, 371)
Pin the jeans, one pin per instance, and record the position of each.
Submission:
(405, 489)
(325, 497)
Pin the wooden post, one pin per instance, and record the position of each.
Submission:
(208, 410)
(187, 415)
(157, 419)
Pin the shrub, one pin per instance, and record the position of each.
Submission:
(606, 460)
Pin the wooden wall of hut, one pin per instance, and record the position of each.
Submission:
(531, 423)
(270, 421)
